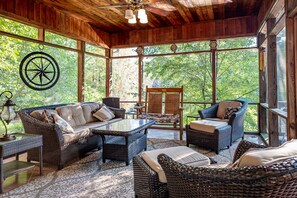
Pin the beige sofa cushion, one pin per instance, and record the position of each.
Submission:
(224, 105)
(37, 114)
(87, 110)
(64, 126)
(207, 125)
(255, 157)
(181, 154)
(104, 114)
(73, 114)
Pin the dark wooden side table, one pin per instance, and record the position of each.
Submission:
(22, 143)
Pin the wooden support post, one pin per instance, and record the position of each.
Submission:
(81, 62)
(262, 118)
(213, 47)
(291, 57)
(272, 84)
(140, 78)
(108, 72)
(41, 34)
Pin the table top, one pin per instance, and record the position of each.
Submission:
(22, 143)
(125, 127)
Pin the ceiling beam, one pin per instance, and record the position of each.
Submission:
(228, 28)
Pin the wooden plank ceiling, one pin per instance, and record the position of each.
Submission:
(161, 13)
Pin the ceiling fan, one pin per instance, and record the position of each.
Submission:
(139, 7)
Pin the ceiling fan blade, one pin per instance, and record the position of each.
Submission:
(157, 11)
(114, 6)
(163, 6)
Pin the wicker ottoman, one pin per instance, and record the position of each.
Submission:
(149, 178)
(216, 140)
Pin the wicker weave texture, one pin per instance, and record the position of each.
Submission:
(54, 150)
(218, 140)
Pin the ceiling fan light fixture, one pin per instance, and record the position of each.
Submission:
(133, 20)
(128, 14)
(141, 14)
(144, 19)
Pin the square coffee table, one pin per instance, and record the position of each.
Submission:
(128, 140)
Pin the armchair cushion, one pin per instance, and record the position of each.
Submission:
(207, 125)
(181, 154)
(255, 157)
(224, 105)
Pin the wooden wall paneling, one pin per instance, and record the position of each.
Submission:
(108, 72)
(262, 118)
(264, 12)
(291, 58)
(37, 14)
(80, 78)
(272, 84)
(228, 28)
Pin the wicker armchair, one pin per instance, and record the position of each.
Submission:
(236, 121)
(276, 180)
(146, 180)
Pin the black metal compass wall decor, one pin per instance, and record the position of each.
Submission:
(39, 71)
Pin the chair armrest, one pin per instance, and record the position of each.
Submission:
(210, 112)
(243, 146)
(146, 180)
(118, 112)
(254, 181)
(181, 108)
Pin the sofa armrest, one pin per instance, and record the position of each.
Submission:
(52, 135)
(210, 112)
(243, 146)
(118, 112)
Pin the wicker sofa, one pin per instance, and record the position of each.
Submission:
(278, 179)
(58, 147)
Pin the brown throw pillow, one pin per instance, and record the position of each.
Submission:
(47, 117)
(230, 111)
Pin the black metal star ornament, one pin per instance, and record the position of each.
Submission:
(39, 71)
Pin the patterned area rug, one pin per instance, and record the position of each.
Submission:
(88, 177)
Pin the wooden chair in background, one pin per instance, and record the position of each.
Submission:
(170, 112)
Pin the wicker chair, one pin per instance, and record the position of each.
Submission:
(146, 180)
(276, 180)
(236, 121)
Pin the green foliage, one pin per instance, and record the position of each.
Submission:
(60, 40)
(18, 28)
(125, 79)
(237, 74)
(94, 78)
(95, 49)
(12, 51)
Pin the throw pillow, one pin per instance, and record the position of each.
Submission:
(47, 117)
(104, 114)
(271, 155)
(65, 126)
(230, 111)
